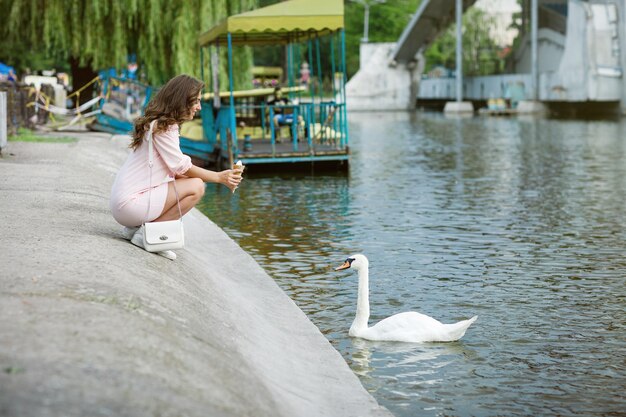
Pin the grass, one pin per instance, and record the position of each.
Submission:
(27, 135)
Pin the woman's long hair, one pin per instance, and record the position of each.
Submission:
(171, 105)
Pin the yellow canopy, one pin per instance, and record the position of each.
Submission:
(280, 23)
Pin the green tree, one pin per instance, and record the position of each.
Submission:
(480, 51)
(520, 22)
(386, 23)
(25, 57)
(97, 34)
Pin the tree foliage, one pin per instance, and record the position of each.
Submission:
(102, 33)
(388, 20)
(163, 35)
(480, 51)
(30, 58)
(386, 23)
(520, 22)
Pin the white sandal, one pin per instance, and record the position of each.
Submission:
(137, 240)
(129, 232)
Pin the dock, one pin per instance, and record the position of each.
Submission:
(497, 112)
(262, 153)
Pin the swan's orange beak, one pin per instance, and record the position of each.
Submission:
(345, 265)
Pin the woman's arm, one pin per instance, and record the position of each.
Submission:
(168, 146)
(229, 177)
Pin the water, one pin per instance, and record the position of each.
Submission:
(518, 221)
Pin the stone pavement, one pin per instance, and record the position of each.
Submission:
(91, 325)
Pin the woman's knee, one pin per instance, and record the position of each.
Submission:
(198, 187)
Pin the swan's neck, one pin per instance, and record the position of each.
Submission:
(363, 302)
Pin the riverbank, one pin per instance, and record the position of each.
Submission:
(92, 325)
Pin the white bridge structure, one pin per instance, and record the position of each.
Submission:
(574, 54)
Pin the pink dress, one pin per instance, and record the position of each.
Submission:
(129, 195)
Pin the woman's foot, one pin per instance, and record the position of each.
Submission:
(129, 232)
(167, 254)
(137, 240)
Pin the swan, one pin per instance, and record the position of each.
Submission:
(403, 327)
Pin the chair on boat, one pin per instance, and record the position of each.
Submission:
(286, 118)
(324, 132)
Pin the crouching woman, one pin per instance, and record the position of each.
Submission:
(141, 194)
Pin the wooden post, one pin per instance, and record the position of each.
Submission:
(3, 120)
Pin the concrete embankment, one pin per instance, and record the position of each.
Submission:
(94, 326)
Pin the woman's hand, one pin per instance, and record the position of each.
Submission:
(230, 178)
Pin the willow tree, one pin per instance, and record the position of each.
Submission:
(98, 34)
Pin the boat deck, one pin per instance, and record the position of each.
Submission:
(262, 152)
(264, 148)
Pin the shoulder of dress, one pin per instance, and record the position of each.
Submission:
(170, 132)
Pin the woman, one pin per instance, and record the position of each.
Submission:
(176, 102)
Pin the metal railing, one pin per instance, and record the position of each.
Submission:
(320, 125)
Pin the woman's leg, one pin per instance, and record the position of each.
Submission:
(190, 191)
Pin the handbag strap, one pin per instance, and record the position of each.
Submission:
(150, 163)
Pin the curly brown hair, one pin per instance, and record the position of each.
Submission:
(171, 105)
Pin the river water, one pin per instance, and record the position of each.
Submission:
(519, 221)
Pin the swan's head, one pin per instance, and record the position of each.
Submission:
(357, 262)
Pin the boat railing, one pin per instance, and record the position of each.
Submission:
(317, 124)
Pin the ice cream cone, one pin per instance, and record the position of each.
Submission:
(239, 166)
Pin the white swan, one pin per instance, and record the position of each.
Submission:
(403, 327)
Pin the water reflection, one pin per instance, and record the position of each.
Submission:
(518, 221)
(361, 356)
(421, 369)
(408, 357)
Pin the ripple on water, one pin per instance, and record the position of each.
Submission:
(517, 221)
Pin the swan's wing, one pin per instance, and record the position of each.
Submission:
(407, 327)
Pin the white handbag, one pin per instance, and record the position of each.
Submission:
(160, 236)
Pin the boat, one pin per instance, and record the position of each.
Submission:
(124, 100)
(238, 124)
